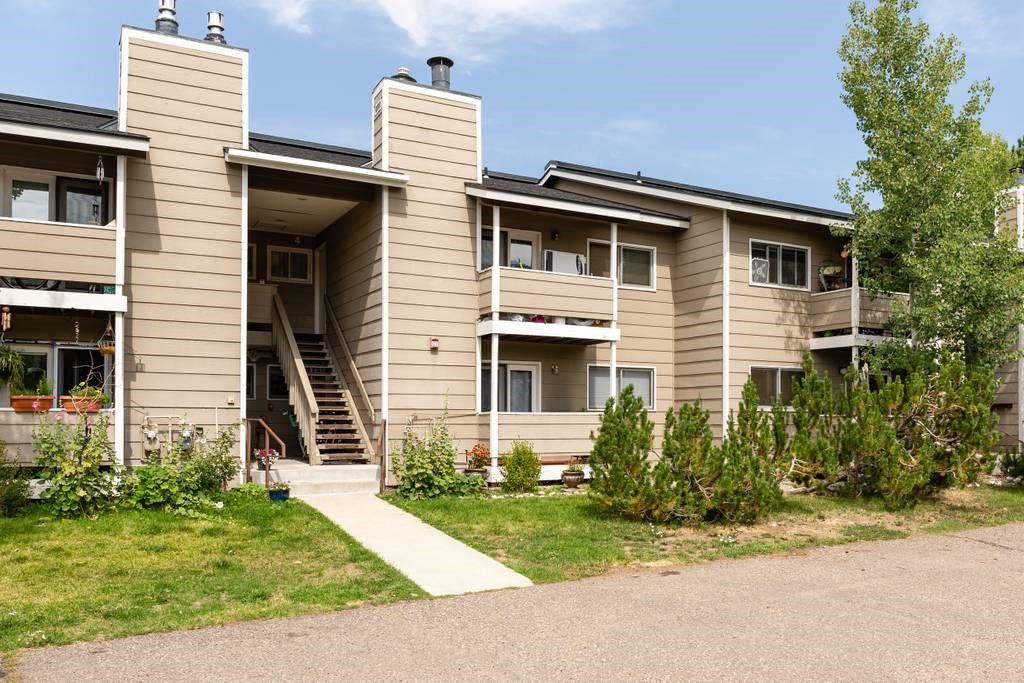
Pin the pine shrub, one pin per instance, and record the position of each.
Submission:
(520, 468)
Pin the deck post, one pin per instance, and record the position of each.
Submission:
(495, 310)
(613, 351)
(855, 310)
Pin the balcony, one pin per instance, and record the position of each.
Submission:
(542, 304)
(44, 250)
(834, 325)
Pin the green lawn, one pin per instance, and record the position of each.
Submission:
(139, 571)
(556, 538)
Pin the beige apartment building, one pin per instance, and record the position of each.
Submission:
(328, 296)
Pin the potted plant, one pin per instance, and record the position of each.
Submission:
(572, 475)
(32, 400)
(478, 459)
(84, 399)
(12, 367)
(280, 491)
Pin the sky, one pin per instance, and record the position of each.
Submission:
(739, 95)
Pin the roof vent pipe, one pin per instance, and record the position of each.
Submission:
(165, 21)
(440, 72)
(215, 24)
(404, 75)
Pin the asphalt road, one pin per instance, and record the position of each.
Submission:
(933, 607)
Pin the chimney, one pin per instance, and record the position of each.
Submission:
(440, 72)
(404, 75)
(165, 21)
(215, 24)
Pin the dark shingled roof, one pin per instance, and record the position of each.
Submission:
(309, 151)
(517, 184)
(702, 191)
(60, 115)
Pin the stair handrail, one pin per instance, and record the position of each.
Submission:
(356, 417)
(300, 391)
(268, 434)
(348, 357)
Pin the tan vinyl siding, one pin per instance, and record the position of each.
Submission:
(54, 251)
(354, 290)
(553, 294)
(433, 288)
(183, 238)
(771, 325)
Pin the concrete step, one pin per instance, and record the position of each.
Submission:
(306, 488)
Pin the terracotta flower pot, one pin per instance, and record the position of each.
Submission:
(31, 404)
(81, 404)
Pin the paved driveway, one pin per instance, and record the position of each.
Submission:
(933, 607)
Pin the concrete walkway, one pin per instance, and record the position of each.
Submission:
(434, 561)
(929, 608)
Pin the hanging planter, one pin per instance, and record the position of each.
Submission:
(106, 344)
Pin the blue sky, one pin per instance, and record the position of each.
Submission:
(739, 95)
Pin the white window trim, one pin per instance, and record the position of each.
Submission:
(108, 363)
(772, 285)
(269, 397)
(41, 349)
(271, 248)
(534, 367)
(618, 275)
(254, 254)
(7, 177)
(250, 396)
(619, 367)
(778, 378)
(514, 233)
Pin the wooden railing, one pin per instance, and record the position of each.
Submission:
(352, 368)
(300, 392)
(268, 434)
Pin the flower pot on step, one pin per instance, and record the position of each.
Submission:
(81, 404)
(31, 404)
(572, 479)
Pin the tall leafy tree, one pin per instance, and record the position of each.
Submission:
(1018, 152)
(938, 181)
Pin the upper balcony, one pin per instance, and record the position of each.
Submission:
(849, 317)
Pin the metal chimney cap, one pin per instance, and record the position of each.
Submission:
(215, 24)
(404, 74)
(444, 61)
(440, 72)
(165, 21)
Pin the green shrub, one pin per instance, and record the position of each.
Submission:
(621, 472)
(183, 480)
(425, 467)
(69, 458)
(520, 468)
(13, 485)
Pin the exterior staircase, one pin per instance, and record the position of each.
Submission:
(337, 436)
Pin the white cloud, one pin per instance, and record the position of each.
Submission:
(627, 131)
(464, 28)
(980, 27)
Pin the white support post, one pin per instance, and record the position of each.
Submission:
(613, 375)
(726, 305)
(480, 235)
(495, 311)
(855, 310)
(120, 260)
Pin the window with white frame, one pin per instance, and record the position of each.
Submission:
(598, 391)
(781, 265)
(519, 249)
(30, 194)
(635, 267)
(518, 388)
(775, 383)
(290, 264)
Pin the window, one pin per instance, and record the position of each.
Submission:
(518, 389)
(779, 264)
(287, 264)
(81, 201)
(636, 263)
(76, 365)
(519, 249)
(30, 199)
(598, 391)
(250, 266)
(277, 388)
(775, 383)
(37, 366)
(250, 382)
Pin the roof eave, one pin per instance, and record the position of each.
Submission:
(573, 207)
(786, 213)
(111, 143)
(279, 162)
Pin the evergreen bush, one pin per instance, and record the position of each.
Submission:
(621, 472)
